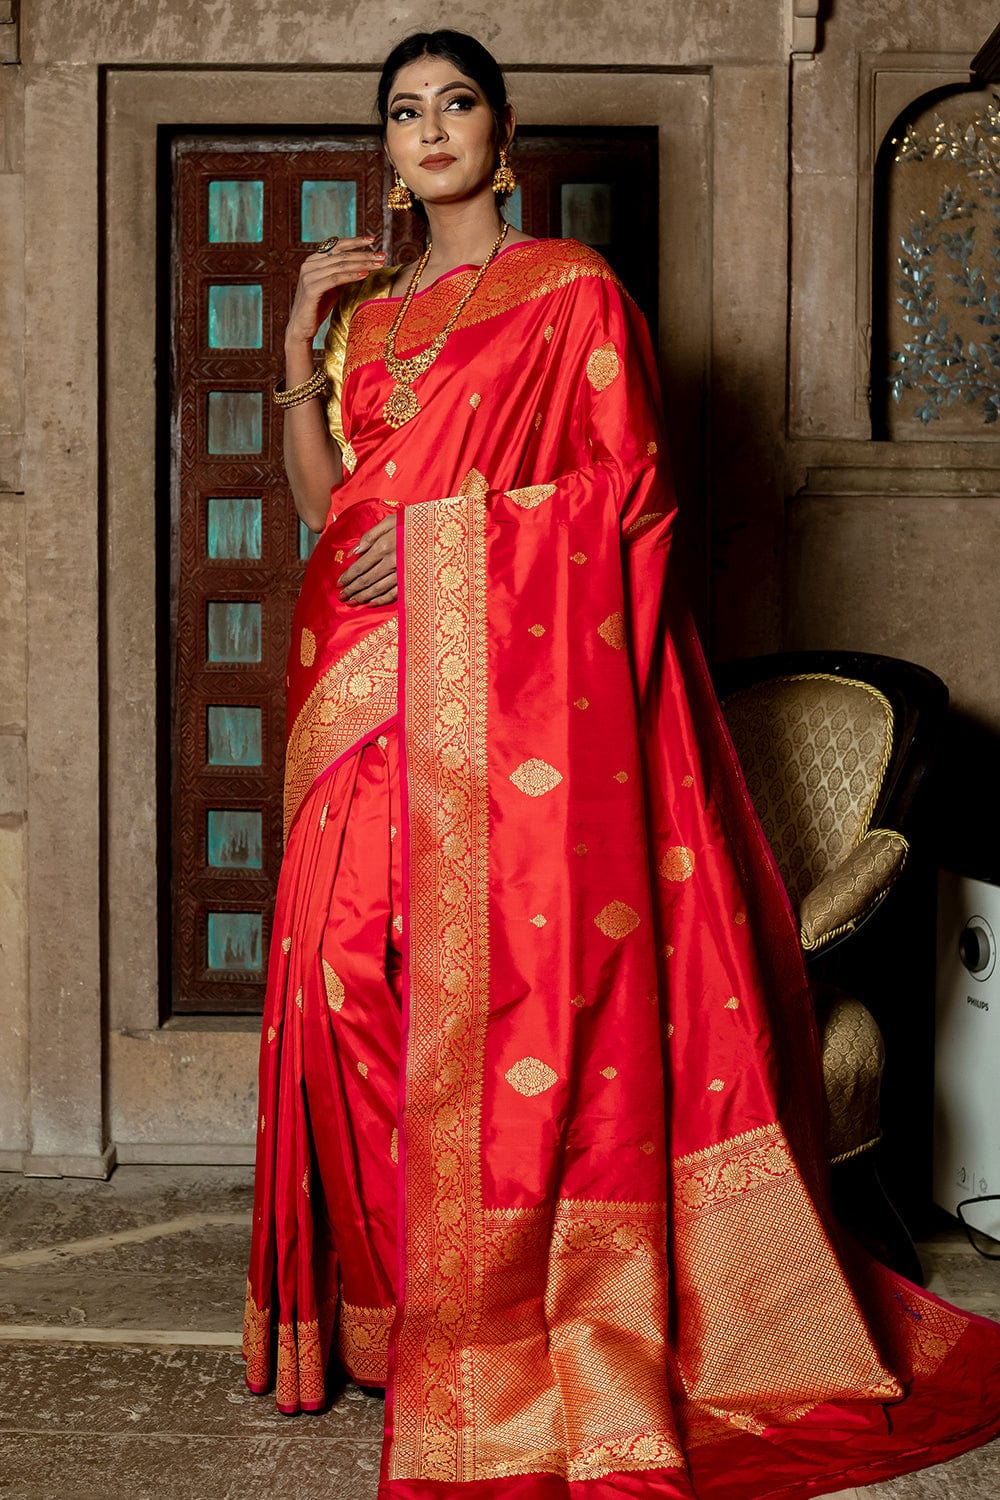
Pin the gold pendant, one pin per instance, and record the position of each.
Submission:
(401, 406)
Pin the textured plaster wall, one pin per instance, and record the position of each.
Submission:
(14, 1012)
(681, 33)
(819, 536)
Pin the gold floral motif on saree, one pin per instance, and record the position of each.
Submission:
(474, 485)
(531, 495)
(363, 1342)
(612, 630)
(530, 1076)
(677, 863)
(334, 986)
(535, 777)
(353, 697)
(603, 366)
(772, 1334)
(642, 522)
(307, 647)
(617, 919)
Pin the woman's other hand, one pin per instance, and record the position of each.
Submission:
(371, 578)
(321, 275)
(312, 458)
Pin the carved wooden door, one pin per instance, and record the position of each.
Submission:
(244, 212)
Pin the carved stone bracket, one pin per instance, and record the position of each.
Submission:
(805, 29)
(9, 52)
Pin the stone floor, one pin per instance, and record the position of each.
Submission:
(120, 1373)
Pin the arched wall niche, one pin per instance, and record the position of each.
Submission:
(936, 269)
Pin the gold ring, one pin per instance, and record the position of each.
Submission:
(325, 246)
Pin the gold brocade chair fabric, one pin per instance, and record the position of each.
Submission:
(814, 750)
(824, 754)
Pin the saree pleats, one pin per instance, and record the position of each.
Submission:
(326, 1173)
(542, 1143)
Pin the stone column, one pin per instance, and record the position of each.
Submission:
(67, 1133)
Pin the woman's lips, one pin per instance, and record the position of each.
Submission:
(436, 163)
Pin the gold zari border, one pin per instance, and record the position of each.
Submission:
(351, 699)
(256, 1340)
(301, 1364)
(363, 1342)
(782, 1330)
(571, 1356)
(446, 685)
(512, 281)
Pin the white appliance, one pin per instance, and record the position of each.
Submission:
(967, 1049)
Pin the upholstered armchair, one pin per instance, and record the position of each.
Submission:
(833, 747)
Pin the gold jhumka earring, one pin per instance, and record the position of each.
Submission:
(504, 180)
(399, 195)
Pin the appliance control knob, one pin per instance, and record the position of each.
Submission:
(975, 946)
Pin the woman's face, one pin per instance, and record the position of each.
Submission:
(440, 131)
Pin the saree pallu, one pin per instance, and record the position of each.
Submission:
(540, 1141)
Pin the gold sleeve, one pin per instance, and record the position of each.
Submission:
(378, 284)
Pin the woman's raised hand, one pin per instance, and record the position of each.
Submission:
(321, 276)
(371, 578)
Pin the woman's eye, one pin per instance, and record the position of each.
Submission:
(401, 114)
(462, 102)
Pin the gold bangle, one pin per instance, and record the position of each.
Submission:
(316, 385)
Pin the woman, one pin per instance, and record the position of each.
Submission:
(537, 1147)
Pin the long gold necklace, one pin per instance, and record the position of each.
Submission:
(402, 403)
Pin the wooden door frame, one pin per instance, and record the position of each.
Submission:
(186, 1090)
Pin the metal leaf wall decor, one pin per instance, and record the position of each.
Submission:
(947, 269)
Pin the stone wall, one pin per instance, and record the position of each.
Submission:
(770, 124)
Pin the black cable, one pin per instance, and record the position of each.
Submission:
(970, 1229)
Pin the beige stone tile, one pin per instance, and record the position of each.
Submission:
(153, 1467)
(121, 1391)
(87, 1298)
(973, 1476)
(39, 1212)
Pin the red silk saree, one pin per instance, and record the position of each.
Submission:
(539, 1145)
